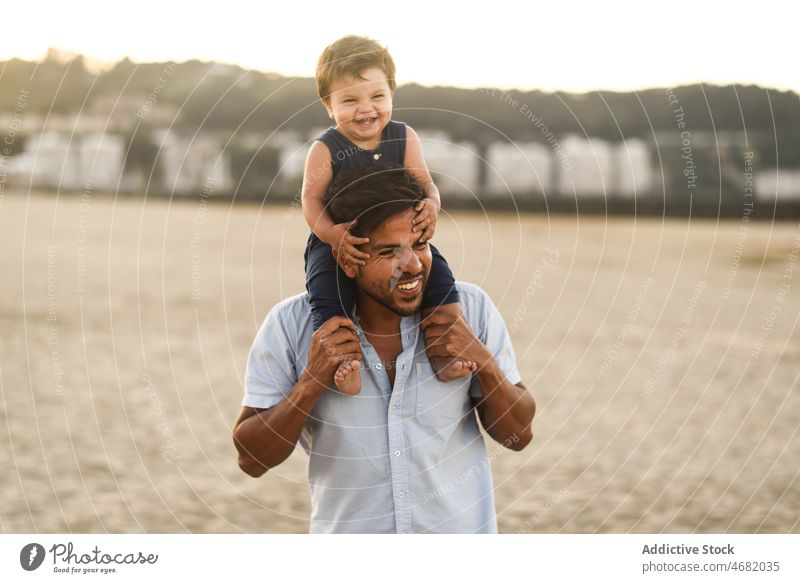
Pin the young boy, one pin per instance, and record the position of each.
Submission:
(355, 82)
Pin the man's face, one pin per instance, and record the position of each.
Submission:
(397, 270)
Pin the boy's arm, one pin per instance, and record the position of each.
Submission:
(416, 166)
(317, 176)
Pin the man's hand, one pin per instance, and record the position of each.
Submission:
(345, 243)
(505, 410)
(425, 220)
(335, 341)
(264, 438)
(449, 336)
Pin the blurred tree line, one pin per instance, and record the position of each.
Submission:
(229, 99)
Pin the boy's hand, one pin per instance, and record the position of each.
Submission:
(340, 238)
(425, 221)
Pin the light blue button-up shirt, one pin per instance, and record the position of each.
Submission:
(402, 459)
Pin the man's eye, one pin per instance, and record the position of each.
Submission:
(421, 245)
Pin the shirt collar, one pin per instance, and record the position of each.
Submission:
(409, 327)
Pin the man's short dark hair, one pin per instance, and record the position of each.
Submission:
(372, 196)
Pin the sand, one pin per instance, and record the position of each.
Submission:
(664, 357)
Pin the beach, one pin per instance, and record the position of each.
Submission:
(663, 354)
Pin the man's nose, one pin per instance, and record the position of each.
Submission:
(409, 261)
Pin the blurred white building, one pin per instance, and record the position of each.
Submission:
(634, 172)
(455, 167)
(777, 185)
(49, 159)
(190, 164)
(518, 168)
(592, 171)
(100, 160)
(292, 159)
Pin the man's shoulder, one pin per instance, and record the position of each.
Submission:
(476, 304)
(293, 314)
(471, 288)
(472, 294)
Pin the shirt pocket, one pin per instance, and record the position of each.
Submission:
(440, 404)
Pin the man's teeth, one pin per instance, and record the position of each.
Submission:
(409, 286)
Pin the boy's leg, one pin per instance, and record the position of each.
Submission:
(441, 295)
(331, 293)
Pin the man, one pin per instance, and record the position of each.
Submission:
(405, 454)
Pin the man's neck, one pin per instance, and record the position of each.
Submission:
(374, 317)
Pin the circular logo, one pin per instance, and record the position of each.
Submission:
(31, 556)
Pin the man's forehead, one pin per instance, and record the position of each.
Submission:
(396, 230)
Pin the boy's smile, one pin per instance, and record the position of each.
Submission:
(361, 107)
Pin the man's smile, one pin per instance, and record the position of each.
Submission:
(410, 286)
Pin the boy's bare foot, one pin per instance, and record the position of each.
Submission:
(451, 369)
(348, 377)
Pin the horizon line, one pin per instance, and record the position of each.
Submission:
(98, 66)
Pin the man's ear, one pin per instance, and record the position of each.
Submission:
(349, 270)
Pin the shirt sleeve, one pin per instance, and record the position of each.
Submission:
(271, 370)
(494, 335)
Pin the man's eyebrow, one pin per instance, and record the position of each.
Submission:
(379, 246)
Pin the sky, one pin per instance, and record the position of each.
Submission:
(557, 45)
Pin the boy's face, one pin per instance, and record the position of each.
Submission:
(361, 106)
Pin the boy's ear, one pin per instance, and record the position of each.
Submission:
(327, 105)
(350, 270)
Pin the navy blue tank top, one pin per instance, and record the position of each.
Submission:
(347, 157)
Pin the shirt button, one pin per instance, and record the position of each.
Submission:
(394, 409)
(401, 494)
(378, 366)
(397, 453)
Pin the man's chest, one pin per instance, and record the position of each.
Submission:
(387, 348)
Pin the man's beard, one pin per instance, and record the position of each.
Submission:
(384, 297)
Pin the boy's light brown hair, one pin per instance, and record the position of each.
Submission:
(348, 57)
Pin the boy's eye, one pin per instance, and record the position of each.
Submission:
(349, 100)
(378, 96)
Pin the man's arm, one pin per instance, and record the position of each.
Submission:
(264, 438)
(506, 410)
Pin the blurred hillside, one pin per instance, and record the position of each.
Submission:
(225, 97)
(144, 105)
